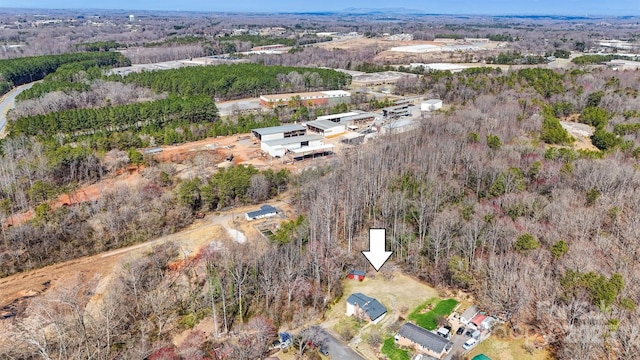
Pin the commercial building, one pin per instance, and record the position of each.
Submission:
(279, 132)
(298, 145)
(357, 120)
(316, 98)
(325, 128)
(337, 117)
(438, 67)
(380, 78)
(398, 127)
(431, 105)
(349, 118)
(396, 111)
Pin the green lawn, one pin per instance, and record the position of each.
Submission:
(429, 320)
(393, 353)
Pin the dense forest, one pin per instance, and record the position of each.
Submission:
(118, 118)
(239, 80)
(539, 234)
(23, 70)
(490, 197)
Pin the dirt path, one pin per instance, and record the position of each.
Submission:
(201, 233)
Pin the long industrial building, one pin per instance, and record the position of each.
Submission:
(279, 132)
(316, 98)
(298, 145)
(325, 128)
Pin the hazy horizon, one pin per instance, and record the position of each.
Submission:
(461, 7)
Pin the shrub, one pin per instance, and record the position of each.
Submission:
(526, 242)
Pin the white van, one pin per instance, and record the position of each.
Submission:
(469, 344)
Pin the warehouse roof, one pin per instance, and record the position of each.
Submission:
(399, 124)
(278, 129)
(323, 124)
(292, 140)
(337, 116)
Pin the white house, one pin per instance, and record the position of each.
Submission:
(431, 105)
(364, 307)
(265, 211)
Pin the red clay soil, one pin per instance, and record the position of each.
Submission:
(84, 194)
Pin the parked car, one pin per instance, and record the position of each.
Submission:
(324, 351)
(469, 344)
(460, 330)
(468, 333)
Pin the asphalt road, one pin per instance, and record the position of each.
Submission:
(340, 351)
(9, 101)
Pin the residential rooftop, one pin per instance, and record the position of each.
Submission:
(424, 338)
(371, 306)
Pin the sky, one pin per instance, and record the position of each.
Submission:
(487, 7)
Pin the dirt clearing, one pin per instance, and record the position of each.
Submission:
(24, 285)
(582, 133)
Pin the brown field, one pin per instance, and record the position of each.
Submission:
(511, 349)
(384, 56)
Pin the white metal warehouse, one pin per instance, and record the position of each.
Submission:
(325, 128)
(279, 132)
(296, 144)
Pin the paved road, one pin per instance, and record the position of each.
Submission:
(9, 101)
(340, 351)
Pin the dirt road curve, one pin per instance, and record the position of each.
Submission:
(191, 240)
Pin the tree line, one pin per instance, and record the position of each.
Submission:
(85, 121)
(238, 80)
(27, 69)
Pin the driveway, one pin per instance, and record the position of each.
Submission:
(339, 350)
(8, 102)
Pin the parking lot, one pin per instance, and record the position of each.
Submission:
(457, 340)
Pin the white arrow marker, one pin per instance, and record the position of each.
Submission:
(377, 255)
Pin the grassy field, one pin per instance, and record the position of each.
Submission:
(510, 349)
(397, 293)
(429, 319)
(393, 353)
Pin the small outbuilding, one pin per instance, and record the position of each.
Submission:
(356, 275)
(265, 211)
(481, 357)
(468, 314)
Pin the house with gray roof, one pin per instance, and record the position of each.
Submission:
(423, 341)
(265, 211)
(364, 307)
